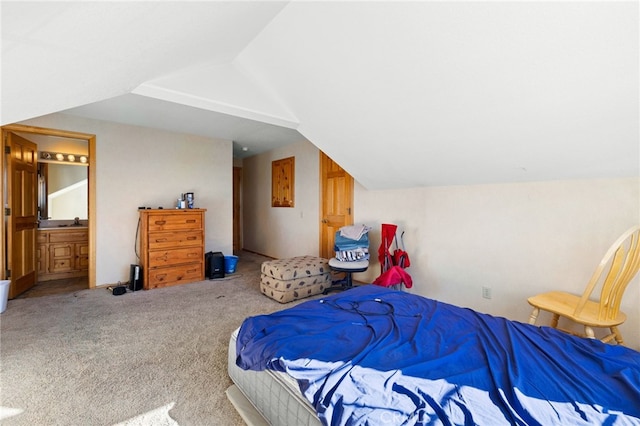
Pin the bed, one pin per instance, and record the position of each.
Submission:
(377, 356)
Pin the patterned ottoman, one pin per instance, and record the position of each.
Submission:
(285, 280)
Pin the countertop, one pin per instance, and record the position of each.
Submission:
(63, 227)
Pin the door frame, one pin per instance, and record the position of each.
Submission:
(91, 143)
(237, 209)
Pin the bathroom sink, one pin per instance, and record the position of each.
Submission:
(64, 224)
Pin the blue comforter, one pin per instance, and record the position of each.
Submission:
(374, 356)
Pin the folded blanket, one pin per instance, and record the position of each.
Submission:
(354, 232)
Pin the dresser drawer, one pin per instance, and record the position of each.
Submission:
(171, 246)
(162, 277)
(159, 258)
(170, 222)
(172, 239)
(67, 236)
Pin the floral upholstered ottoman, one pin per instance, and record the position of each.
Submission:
(285, 280)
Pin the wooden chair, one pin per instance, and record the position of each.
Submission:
(618, 267)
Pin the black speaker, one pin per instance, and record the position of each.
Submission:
(214, 265)
(135, 278)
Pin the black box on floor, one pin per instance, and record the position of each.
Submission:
(135, 278)
(214, 265)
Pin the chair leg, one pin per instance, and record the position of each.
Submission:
(554, 320)
(534, 316)
(589, 332)
(340, 285)
(617, 335)
(349, 282)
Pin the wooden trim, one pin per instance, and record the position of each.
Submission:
(3, 234)
(92, 212)
(258, 253)
(322, 184)
(45, 131)
(91, 140)
(237, 209)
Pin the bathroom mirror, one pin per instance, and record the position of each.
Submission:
(63, 191)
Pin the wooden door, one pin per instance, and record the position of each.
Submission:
(22, 197)
(336, 203)
(237, 209)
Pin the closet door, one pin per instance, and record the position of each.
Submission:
(336, 203)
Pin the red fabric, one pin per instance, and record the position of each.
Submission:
(391, 265)
(395, 275)
(387, 235)
(401, 258)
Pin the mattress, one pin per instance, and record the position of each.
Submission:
(375, 356)
(274, 397)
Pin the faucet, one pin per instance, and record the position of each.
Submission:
(76, 221)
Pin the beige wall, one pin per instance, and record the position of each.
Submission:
(138, 166)
(517, 239)
(281, 231)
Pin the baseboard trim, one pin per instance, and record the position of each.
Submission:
(258, 253)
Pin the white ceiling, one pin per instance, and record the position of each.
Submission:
(401, 94)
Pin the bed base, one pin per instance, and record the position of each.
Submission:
(267, 397)
(247, 411)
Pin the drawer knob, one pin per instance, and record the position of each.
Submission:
(160, 222)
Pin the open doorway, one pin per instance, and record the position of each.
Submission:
(15, 261)
(237, 209)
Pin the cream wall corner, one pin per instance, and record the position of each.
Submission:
(282, 232)
(518, 239)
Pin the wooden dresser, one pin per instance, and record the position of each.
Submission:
(63, 253)
(171, 247)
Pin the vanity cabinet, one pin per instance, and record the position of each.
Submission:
(63, 253)
(171, 247)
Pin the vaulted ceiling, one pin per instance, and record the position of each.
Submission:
(401, 94)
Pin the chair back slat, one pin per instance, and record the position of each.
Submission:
(611, 280)
(623, 261)
(629, 270)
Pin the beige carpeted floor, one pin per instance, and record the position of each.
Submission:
(153, 357)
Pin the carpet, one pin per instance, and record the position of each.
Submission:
(149, 357)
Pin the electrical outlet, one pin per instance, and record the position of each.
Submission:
(486, 292)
